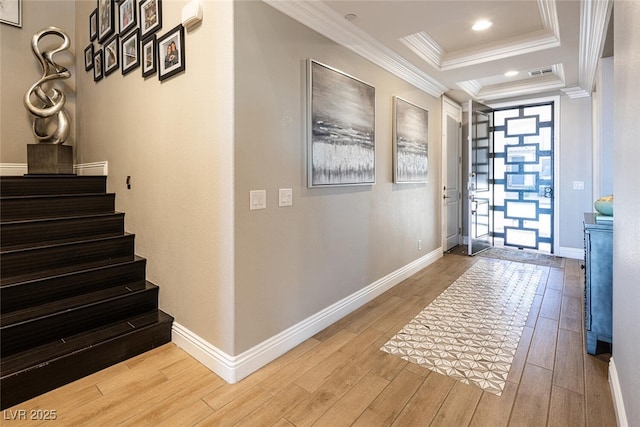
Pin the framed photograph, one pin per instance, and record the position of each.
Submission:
(88, 57)
(111, 57)
(150, 17)
(97, 66)
(171, 53)
(410, 142)
(93, 25)
(127, 16)
(130, 52)
(341, 128)
(149, 56)
(11, 12)
(106, 19)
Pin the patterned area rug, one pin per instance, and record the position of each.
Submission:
(524, 256)
(515, 255)
(471, 331)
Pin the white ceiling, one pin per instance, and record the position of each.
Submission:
(430, 43)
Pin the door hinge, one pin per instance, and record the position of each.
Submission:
(459, 230)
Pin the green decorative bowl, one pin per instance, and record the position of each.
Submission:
(604, 205)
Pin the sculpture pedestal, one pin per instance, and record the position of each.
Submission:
(49, 159)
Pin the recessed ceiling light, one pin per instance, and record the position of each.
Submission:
(350, 16)
(511, 73)
(483, 24)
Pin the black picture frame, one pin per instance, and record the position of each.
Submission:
(97, 66)
(127, 16)
(340, 128)
(170, 64)
(150, 17)
(149, 54)
(130, 52)
(88, 57)
(106, 19)
(93, 25)
(111, 55)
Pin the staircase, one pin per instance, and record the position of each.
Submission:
(73, 294)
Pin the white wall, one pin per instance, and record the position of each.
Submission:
(626, 227)
(293, 262)
(175, 139)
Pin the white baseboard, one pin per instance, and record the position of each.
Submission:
(92, 169)
(82, 169)
(13, 169)
(616, 394)
(234, 368)
(566, 252)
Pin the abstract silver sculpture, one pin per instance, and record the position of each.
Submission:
(51, 101)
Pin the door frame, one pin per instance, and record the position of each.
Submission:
(451, 109)
(556, 157)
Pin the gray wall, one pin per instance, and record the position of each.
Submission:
(292, 262)
(626, 228)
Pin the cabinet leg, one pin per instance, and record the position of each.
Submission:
(592, 343)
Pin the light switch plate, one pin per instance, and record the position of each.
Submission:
(257, 199)
(285, 197)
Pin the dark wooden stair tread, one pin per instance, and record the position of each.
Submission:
(74, 298)
(51, 184)
(60, 242)
(33, 357)
(69, 304)
(22, 233)
(63, 271)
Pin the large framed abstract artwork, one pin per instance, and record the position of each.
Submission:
(341, 128)
(410, 142)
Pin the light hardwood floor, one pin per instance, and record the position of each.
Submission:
(340, 377)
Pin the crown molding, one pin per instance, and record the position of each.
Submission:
(430, 51)
(594, 19)
(517, 88)
(576, 92)
(324, 20)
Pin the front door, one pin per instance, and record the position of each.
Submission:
(479, 141)
(523, 176)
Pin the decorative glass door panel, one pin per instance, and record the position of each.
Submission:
(523, 177)
(479, 177)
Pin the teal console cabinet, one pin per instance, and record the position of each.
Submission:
(598, 245)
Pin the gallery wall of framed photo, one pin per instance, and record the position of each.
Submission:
(124, 36)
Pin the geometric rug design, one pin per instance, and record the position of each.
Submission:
(470, 332)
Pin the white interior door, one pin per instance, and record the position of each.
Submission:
(451, 174)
